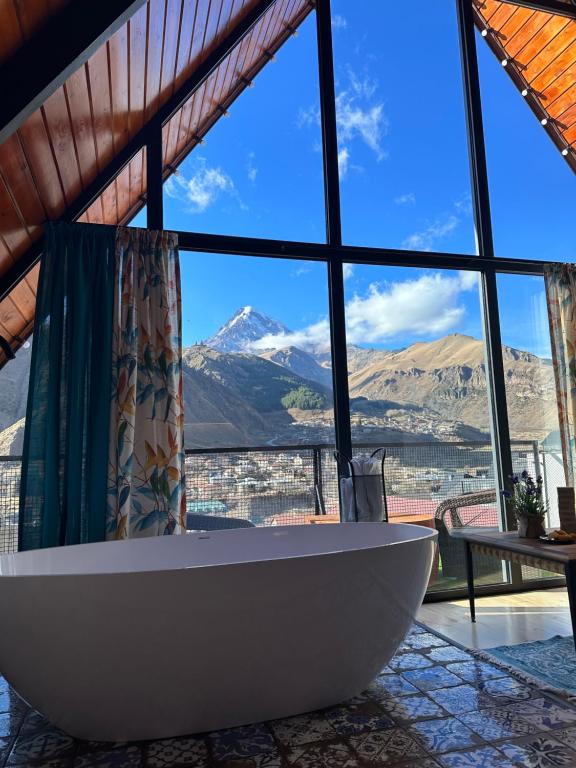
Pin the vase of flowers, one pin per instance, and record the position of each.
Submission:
(528, 505)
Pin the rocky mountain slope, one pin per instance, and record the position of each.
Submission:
(430, 390)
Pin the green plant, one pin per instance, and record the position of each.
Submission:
(526, 500)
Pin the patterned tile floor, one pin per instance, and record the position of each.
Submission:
(434, 706)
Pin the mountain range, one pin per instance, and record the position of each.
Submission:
(238, 395)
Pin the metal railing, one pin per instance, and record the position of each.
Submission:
(287, 485)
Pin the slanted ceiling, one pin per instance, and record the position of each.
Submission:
(64, 146)
(47, 165)
(538, 51)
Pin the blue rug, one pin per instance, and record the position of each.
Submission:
(552, 662)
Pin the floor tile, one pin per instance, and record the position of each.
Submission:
(410, 709)
(409, 661)
(390, 746)
(424, 640)
(507, 687)
(349, 720)
(431, 678)
(545, 713)
(270, 759)
(539, 752)
(494, 724)
(390, 685)
(444, 735)
(475, 671)
(177, 753)
(45, 745)
(124, 757)
(245, 741)
(449, 653)
(303, 729)
(10, 723)
(567, 736)
(485, 757)
(460, 699)
(323, 755)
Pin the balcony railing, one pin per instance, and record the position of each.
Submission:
(287, 485)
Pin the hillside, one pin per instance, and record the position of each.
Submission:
(430, 390)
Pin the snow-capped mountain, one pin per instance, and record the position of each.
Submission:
(244, 327)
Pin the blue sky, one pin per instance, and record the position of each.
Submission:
(404, 184)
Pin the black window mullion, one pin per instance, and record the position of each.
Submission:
(154, 168)
(481, 204)
(333, 228)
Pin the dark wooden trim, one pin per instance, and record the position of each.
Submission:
(45, 62)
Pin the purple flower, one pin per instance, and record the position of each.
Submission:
(525, 474)
(515, 479)
(506, 494)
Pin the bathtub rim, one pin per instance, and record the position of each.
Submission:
(34, 564)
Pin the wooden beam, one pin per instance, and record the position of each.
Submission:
(548, 6)
(59, 48)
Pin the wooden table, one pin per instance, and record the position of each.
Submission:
(559, 558)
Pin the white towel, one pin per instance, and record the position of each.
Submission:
(368, 506)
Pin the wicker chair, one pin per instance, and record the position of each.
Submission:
(451, 549)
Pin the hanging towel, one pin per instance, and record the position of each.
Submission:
(368, 506)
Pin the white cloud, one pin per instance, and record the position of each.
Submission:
(202, 188)
(425, 306)
(428, 305)
(251, 169)
(426, 239)
(362, 121)
(316, 335)
(348, 271)
(339, 22)
(343, 160)
(408, 199)
(359, 117)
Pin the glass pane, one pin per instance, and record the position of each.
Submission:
(140, 219)
(257, 386)
(258, 172)
(404, 172)
(530, 389)
(418, 389)
(531, 183)
(13, 396)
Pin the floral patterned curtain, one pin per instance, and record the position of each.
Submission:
(560, 280)
(146, 484)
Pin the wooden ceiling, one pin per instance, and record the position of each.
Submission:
(58, 151)
(538, 51)
(47, 165)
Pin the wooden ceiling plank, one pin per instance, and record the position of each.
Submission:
(549, 52)
(197, 49)
(186, 34)
(16, 172)
(539, 41)
(171, 46)
(119, 86)
(563, 102)
(555, 68)
(487, 8)
(12, 229)
(36, 146)
(137, 62)
(559, 86)
(10, 32)
(567, 117)
(136, 179)
(156, 20)
(505, 13)
(123, 192)
(520, 24)
(81, 119)
(61, 139)
(100, 97)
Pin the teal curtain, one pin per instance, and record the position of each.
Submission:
(65, 456)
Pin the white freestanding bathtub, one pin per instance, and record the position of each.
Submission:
(160, 637)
